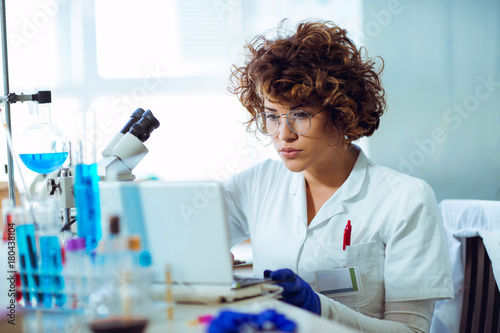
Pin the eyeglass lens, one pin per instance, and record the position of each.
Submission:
(298, 121)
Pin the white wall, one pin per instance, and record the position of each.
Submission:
(172, 57)
(442, 79)
(441, 124)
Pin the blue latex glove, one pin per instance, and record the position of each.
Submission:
(295, 290)
(235, 322)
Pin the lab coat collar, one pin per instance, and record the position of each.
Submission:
(298, 190)
(334, 205)
(352, 185)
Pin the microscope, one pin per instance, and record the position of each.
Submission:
(122, 154)
(126, 149)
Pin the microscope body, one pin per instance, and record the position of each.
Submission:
(122, 154)
(123, 158)
(127, 149)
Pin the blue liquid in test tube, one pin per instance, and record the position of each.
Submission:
(44, 163)
(51, 268)
(88, 208)
(29, 262)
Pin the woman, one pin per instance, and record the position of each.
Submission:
(346, 238)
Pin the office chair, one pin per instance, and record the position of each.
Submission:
(481, 302)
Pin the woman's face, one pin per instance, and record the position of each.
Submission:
(315, 149)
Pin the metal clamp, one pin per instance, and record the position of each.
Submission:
(42, 97)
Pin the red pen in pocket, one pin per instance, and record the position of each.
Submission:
(347, 235)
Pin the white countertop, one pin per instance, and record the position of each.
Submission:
(186, 317)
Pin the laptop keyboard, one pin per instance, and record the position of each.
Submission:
(243, 281)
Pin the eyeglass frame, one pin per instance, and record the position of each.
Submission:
(280, 115)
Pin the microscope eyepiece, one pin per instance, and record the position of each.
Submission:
(135, 117)
(145, 126)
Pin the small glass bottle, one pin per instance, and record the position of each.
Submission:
(139, 265)
(110, 258)
(124, 310)
(77, 273)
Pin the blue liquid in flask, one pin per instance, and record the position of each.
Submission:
(44, 163)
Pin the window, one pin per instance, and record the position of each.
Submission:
(172, 57)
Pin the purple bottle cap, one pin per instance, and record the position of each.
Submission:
(75, 244)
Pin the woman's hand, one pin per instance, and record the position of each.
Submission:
(295, 290)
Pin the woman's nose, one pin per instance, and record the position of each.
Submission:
(284, 131)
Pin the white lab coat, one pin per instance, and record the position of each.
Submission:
(398, 241)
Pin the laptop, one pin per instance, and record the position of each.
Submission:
(184, 225)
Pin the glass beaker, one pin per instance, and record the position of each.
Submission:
(43, 147)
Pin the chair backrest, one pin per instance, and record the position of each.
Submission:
(481, 302)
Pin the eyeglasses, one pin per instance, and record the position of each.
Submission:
(298, 121)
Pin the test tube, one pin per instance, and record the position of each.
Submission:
(86, 188)
(87, 204)
(49, 222)
(25, 233)
(7, 205)
(77, 260)
(9, 239)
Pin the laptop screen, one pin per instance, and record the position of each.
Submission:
(183, 224)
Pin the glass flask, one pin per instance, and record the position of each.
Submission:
(43, 147)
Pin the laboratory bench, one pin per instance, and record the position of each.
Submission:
(186, 318)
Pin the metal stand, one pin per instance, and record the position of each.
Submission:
(5, 64)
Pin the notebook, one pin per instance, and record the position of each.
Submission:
(184, 225)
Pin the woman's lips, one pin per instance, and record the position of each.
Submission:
(290, 152)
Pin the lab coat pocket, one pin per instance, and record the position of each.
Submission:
(361, 256)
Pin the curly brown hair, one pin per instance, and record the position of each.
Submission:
(318, 64)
